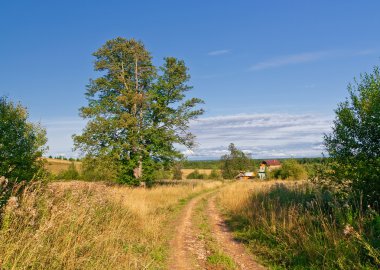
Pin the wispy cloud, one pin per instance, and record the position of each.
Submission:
(289, 60)
(366, 52)
(218, 52)
(263, 135)
(307, 57)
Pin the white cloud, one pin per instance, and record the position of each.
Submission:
(218, 52)
(262, 135)
(289, 60)
(307, 57)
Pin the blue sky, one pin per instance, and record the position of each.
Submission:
(271, 72)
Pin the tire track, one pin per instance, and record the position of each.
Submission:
(228, 244)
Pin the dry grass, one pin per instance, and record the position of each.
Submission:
(77, 225)
(235, 198)
(56, 166)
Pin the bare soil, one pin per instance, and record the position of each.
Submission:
(187, 250)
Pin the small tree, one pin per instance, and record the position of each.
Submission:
(354, 144)
(177, 171)
(234, 162)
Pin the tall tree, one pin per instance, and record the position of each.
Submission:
(136, 112)
(354, 144)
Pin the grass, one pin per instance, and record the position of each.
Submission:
(81, 225)
(293, 225)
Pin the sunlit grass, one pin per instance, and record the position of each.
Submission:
(293, 225)
(78, 225)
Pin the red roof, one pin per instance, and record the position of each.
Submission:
(273, 162)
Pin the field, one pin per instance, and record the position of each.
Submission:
(56, 166)
(197, 224)
(78, 225)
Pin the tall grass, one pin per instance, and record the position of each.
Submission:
(297, 226)
(79, 225)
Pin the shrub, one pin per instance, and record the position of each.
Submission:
(196, 175)
(215, 175)
(99, 169)
(291, 169)
(177, 171)
(70, 174)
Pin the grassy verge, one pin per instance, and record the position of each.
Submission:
(81, 225)
(296, 226)
(215, 257)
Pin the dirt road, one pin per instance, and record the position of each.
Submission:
(202, 240)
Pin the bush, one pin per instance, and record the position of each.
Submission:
(70, 174)
(196, 175)
(177, 171)
(291, 169)
(214, 175)
(99, 169)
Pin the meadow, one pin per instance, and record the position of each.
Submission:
(295, 225)
(82, 225)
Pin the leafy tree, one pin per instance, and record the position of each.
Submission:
(234, 162)
(21, 146)
(136, 112)
(21, 143)
(354, 144)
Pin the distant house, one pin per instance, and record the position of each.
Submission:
(245, 175)
(272, 164)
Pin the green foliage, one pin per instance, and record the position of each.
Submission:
(354, 142)
(137, 112)
(21, 143)
(21, 146)
(71, 173)
(201, 164)
(214, 175)
(177, 171)
(290, 169)
(234, 162)
(196, 175)
(99, 169)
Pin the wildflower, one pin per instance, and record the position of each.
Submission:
(348, 230)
